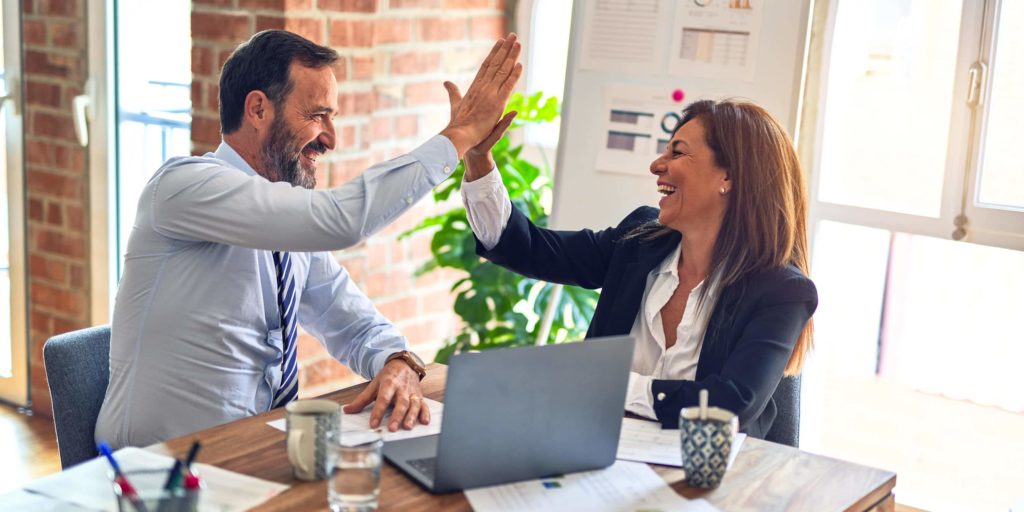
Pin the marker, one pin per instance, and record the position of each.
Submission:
(122, 481)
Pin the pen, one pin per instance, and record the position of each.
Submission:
(192, 452)
(121, 479)
(172, 477)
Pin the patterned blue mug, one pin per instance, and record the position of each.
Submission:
(310, 425)
(706, 444)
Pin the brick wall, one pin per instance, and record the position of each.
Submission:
(395, 55)
(56, 180)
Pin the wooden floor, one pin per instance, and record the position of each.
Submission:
(29, 448)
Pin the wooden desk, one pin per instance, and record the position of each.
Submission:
(765, 476)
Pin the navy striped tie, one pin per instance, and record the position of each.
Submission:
(286, 302)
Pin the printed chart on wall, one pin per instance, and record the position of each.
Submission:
(619, 35)
(716, 39)
(638, 125)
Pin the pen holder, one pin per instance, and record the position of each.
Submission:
(150, 495)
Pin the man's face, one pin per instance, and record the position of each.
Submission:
(303, 126)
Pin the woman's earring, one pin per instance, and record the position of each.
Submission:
(722, 191)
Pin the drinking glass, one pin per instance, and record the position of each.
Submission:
(355, 460)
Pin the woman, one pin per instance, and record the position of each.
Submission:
(713, 285)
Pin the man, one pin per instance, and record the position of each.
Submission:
(228, 253)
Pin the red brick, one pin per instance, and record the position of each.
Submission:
(381, 128)
(412, 4)
(35, 209)
(64, 35)
(347, 5)
(467, 4)
(68, 8)
(396, 310)
(269, 22)
(413, 63)
(351, 33)
(340, 68)
(217, 3)
(224, 28)
(39, 321)
(441, 29)
(39, 153)
(76, 217)
(55, 242)
(387, 96)
(407, 126)
(59, 299)
(322, 373)
(43, 94)
(425, 93)
(222, 57)
(346, 138)
(77, 277)
(49, 64)
(46, 268)
(362, 67)
(70, 158)
(388, 31)
(206, 130)
(53, 125)
(298, 5)
(54, 215)
(355, 103)
(310, 28)
(56, 185)
(487, 27)
(213, 100)
(248, 5)
(202, 61)
(34, 32)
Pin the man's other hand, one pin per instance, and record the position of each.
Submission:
(475, 115)
(396, 384)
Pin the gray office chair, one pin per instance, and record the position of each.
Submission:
(77, 370)
(786, 428)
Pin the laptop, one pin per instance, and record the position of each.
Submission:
(523, 413)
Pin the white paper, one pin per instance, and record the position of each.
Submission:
(361, 422)
(621, 36)
(716, 39)
(23, 500)
(645, 441)
(624, 486)
(89, 484)
(638, 123)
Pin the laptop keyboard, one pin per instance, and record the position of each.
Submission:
(425, 466)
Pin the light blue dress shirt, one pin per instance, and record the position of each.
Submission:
(196, 334)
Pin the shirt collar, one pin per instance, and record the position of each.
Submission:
(228, 154)
(670, 265)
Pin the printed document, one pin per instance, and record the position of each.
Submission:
(645, 441)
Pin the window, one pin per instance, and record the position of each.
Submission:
(918, 225)
(544, 25)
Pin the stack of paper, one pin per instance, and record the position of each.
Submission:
(360, 422)
(645, 441)
(88, 485)
(622, 487)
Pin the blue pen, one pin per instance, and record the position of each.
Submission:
(122, 481)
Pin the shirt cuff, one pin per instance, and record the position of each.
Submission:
(481, 188)
(438, 156)
(639, 399)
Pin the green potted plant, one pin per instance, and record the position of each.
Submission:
(499, 308)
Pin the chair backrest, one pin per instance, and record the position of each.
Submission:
(77, 370)
(786, 428)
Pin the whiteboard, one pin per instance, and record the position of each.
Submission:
(622, 50)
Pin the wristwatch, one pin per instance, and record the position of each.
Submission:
(410, 359)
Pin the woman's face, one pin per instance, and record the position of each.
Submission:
(689, 181)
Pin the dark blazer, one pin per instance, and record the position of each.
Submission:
(750, 334)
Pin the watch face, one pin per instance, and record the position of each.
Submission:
(416, 358)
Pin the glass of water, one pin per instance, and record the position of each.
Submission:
(355, 459)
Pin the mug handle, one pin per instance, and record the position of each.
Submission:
(294, 439)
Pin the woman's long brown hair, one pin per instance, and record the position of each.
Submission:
(765, 224)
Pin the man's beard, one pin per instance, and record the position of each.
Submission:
(282, 159)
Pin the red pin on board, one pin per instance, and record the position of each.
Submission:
(678, 95)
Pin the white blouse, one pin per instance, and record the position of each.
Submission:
(489, 208)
